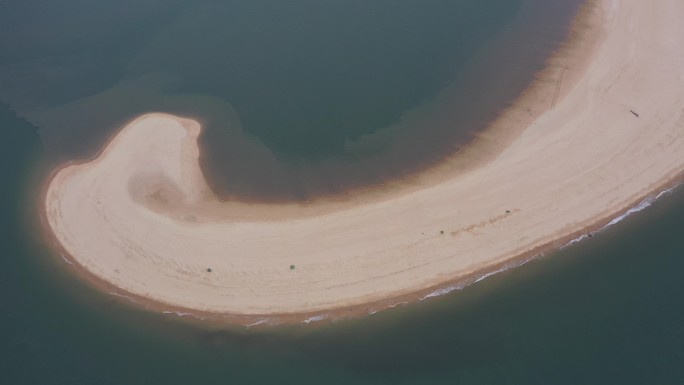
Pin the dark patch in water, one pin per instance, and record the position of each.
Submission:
(298, 100)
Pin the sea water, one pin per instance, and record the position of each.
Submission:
(298, 98)
(607, 309)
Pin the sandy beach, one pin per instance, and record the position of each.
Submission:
(141, 217)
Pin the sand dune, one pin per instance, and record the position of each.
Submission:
(142, 218)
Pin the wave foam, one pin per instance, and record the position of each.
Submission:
(443, 291)
(645, 203)
(316, 318)
(66, 259)
(259, 322)
(124, 296)
(179, 313)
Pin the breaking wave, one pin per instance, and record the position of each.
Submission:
(316, 318)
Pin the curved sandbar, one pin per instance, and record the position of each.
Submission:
(142, 218)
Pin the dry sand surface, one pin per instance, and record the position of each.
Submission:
(142, 218)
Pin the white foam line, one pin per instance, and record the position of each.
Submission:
(495, 272)
(667, 192)
(507, 267)
(124, 296)
(179, 313)
(644, 204)
(443, 291)
(66, 259)
(315, 318)
(647, 202)
(641, 206)
(182, 314)
(460, 286)
(259, 322)
(578, 239)
(396, 304)
(387, 307)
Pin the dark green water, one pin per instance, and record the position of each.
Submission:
(606, 311)
(296, 100)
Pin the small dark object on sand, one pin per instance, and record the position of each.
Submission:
(292, 267)
(208, 270)
(634, 113)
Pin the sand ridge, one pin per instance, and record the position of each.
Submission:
(142, 217)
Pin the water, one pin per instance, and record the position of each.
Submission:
(298, 99)
(604, 310)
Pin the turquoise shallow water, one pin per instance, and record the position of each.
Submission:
(608, 310)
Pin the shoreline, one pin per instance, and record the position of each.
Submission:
(334, 315)
(571, 56)
(585, 34)
(366, 308)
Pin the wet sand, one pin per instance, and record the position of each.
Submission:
(141, 217)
